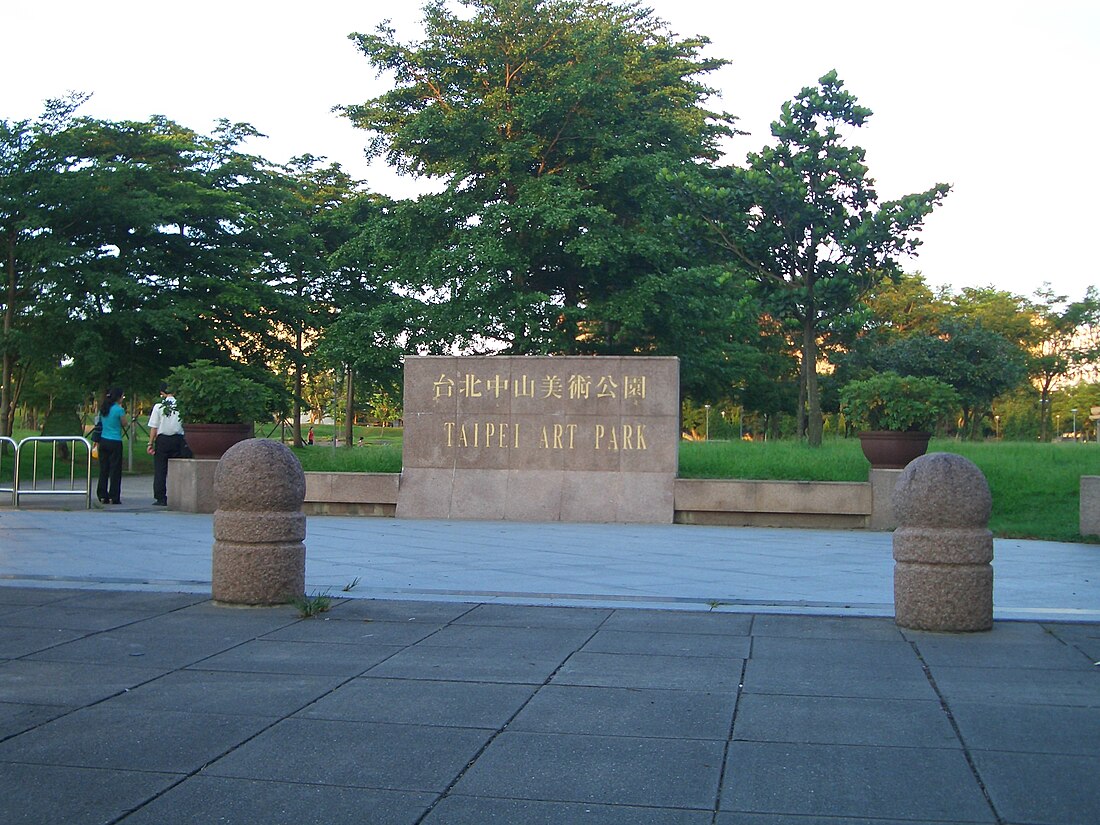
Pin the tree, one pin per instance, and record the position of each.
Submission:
(803, 218)
(978, 363)
(548, 124)
(1067, 340)
(127, 247)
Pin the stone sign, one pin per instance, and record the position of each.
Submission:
(522, 438)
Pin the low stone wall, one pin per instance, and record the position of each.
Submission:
(351, 494)
(732, 502)
(740, 503)
(1090, 506)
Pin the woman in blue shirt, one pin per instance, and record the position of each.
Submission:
(114, 419)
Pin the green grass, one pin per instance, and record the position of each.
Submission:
(1035, 487)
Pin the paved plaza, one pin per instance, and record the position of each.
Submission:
(523, 673)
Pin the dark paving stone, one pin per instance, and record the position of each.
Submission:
(229, 693)
(467, 810)
(845, 781)
(508, 615)
(67, 684)
(622, 712)
(972, 650)
(857, 680)
(203, 799)
(16, 718)
(1029, 728)
(1079, 687)
(16, 642)
(657, 672)
(419, 702)
(843, 721)
(1045, 789)
(54, 795)
(554, 642)
(32, 596)
(263, 656)
(138, 645)
(1084, 637)
(355, 754)
(615, 770)
(85, 619)
(378, 610)
(788, 819)
(675, 621)
(107, 737)
(134, 600)
(669, 644)
(324, 631)
(827, 627)
(459, 664)
(809, 652)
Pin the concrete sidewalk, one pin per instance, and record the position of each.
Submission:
(451, 685)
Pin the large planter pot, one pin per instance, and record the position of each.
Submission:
(893, 450)
(212, 440)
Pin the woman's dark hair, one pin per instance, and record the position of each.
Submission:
(110, 397)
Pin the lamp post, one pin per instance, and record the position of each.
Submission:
(1058, 425)
(706, 432)
(1074, 411)
(997, 426)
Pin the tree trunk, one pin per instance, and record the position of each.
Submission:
(349, 410)
(814, 424)
(298, 388)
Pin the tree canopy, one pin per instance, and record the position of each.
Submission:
(548, 122)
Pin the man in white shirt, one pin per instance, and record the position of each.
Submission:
(165, 442)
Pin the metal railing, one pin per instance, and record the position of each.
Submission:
(28, 450)
(5, 441)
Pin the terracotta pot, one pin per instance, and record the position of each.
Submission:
(212, 440)
(893, 450)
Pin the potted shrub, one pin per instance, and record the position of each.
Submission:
(218, 405)
(895, 415)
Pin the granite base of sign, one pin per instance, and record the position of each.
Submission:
(540, 438)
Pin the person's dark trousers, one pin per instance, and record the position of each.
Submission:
(167, 446)
(110, 471)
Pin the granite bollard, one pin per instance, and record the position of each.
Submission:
(943, 576)
(259, 526)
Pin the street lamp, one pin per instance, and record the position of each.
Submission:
(1074, 411)
(706, 436)
(997, 425)
(1058, 425)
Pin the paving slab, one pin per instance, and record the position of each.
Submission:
(617, 770)
(924, 784)
(203, 799)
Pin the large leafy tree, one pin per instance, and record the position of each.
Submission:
(803, 218)
(548, 124)
(1067, 342)
(126, 248)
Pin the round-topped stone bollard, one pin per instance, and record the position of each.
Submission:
(943, 576)
(259, 526)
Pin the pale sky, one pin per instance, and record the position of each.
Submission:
(996, 97)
